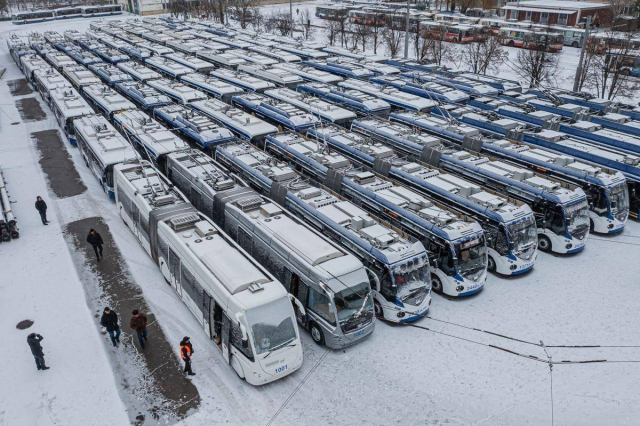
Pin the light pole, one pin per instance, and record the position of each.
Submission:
(576, 80)
(291, 16)
(406, 34)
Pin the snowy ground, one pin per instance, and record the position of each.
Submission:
(437, 373)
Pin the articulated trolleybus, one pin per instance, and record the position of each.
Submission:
(458, 247)
(329, 286)
(242, 307)
(398, 267)
(102, 147)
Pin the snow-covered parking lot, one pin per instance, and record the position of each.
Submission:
(478, 360)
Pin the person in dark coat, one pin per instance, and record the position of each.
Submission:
(109, 321)
(139, 324)
(186, 352)
(41, 206)
(96, 242)
(34, 340)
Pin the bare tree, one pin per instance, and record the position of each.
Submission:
(279, 21)
(484, 56)
(343, 23)
(361, 34)
(331, 29)
(537, 66)
(257, 18)
(609, 72)
(241, 10)
(377, 27)
(392, 38)
(438, 48)
(304, 19)
(465, 5)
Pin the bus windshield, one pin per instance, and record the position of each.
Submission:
(522, 237)
(272, 325)
(619, 201)
(354, 306)
(577, 219)
(471, 258)
(412, 280)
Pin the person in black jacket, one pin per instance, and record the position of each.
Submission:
(96, 242)
(109, 321)
(34, 340)
(41, 206)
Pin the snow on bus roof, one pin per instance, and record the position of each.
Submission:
(307, 244)
(231, 267)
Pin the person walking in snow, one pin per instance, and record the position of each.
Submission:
(34, 340)
(139, 324)
(186, 352)
(41, 206)
(109, 321)
(96, 242)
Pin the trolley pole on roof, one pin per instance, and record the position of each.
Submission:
(406, 34)
(576, 80)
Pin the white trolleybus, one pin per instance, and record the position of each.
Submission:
(243, 80)
(48, 79)
(461, 259)
(561, 209)
(241, 123)
(193, 63)
(278, 76)
(67, 105)
(509, 225)
(150, 138)
(167, 67)
(212, 85)
(241, 307)
(29, 64)
(278, 54)
(106, 99)
(391, 95)
(102, 147)
(139, 72)
(397, 265)
(318, 107)
(330, 287)
(253, 57)
(178, 92)
(310, 73)
(222, 59)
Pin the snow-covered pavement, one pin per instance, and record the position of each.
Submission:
(437, 373)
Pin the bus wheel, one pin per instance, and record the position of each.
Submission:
(236, 366)
(511, 43)
(544, 243)
(377, 308)
(491, 264)
(574, 44)
(436, 284)
(316, 333)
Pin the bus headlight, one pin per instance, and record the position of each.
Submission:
(568, 246)
(459, 288)
(400, 314)
(513, 267)
(610, 226)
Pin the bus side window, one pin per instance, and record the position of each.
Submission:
(386, 287)
(320, 304)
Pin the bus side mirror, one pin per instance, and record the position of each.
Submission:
(299, 304)
(373, 278)
(243, 329)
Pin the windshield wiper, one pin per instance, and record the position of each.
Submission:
(282, 345)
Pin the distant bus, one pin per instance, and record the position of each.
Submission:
(33, 16)
(628, 62)
(68, 12)
(531, 39)
(103, 10)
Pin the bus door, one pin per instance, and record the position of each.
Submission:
(174, 272)
(298, 288)
(224, 338)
